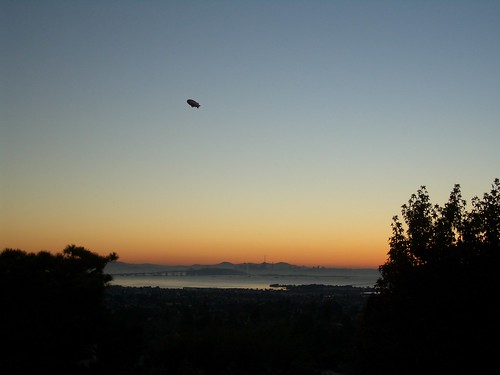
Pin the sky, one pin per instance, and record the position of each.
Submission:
(318, 120)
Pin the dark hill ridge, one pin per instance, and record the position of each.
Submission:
(228, 268)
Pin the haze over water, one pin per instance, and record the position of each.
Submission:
(246, 282)
(256, 277)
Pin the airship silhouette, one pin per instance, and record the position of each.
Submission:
(193, 103)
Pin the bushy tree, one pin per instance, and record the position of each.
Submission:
(51, 308)
(435, 308)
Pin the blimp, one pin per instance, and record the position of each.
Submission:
(193, 103)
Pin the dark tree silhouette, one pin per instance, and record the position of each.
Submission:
(435, 310)
(51, 309)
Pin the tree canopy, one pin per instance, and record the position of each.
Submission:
(434, 308)
(51, 308)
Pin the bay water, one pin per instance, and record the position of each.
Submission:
(358, 277)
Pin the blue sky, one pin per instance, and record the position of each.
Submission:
(318, 119)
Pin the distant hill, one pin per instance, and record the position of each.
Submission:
(226, 268)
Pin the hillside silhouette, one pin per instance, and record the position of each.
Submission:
(433, 310)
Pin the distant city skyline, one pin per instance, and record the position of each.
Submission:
(318, 120)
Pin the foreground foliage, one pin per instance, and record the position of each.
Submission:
(225, 331)
(436, 308)
(59, 316)
(51, 314)
(434, 311)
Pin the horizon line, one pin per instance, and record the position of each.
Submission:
(245, 263)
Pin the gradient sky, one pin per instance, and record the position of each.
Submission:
(318, 120)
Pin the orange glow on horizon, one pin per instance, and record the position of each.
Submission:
(349, 258)
(304, 241)
(301, 254)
